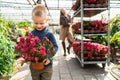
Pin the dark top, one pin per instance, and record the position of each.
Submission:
(49, 35)
(64, 21)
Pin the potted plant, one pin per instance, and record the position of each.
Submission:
(34, 50)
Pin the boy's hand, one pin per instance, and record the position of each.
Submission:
(46, 61)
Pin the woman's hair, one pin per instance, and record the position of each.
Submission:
(39, 10)
(61, 13)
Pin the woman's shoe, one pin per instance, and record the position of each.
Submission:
(64, 54)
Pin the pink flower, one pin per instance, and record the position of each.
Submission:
(22, 39)
(42, 52)
(36, 58)
(44, 38)
(28, 38)
(33, 43)
(19, 44)
(26, 44)
(49, 42)
(25, 55)
(16, 47)
(29, 58)
(23, 50)
(36, 39)
(42, 48)
(30, 35)
(32, 50)
(52, 47)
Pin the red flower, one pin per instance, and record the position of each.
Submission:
(42, 51)
(36, 39)
(30, 35)
(26, 44)
(32, 50)
(33, 43)
(22, 39)
(36, 58)
(16, 47)
(28, 38)
(23, 50)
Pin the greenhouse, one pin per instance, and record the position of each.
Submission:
(59, 40)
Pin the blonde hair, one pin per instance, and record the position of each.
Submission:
(39, 10)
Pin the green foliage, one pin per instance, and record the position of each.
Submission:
(115, 25)
(23, 28)
(6, 48)
(115, 28)
(100, 39)
(6, 28)
(23, 24)
(6, 55)
(115, 39)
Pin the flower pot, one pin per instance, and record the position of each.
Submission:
(38, 66)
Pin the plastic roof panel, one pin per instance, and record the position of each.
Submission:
(21, 9)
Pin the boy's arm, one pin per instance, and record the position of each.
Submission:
(53, 40)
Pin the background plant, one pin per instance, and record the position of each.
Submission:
(115, 25)
(115, 39)
(23, 28)
(114, 28)
(6, 48)
(6, 55)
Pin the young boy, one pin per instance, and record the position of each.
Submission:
(39, 15)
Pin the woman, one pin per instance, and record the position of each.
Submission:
(65, 21)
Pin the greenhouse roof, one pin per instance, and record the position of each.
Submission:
(18, 10)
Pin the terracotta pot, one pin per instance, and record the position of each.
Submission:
(39, 66)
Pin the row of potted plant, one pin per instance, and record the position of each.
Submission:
(95, 1)
(90, 3)
(91, 26)
(91, 50)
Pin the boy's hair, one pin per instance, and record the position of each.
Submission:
(39, 10)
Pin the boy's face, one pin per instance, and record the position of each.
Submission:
(39, 22)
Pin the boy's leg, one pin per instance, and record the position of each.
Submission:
(46, 74)
(34, 74)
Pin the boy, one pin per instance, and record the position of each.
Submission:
(39, 15)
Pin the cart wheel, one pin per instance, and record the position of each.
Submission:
(82, 65)
(103, 65)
